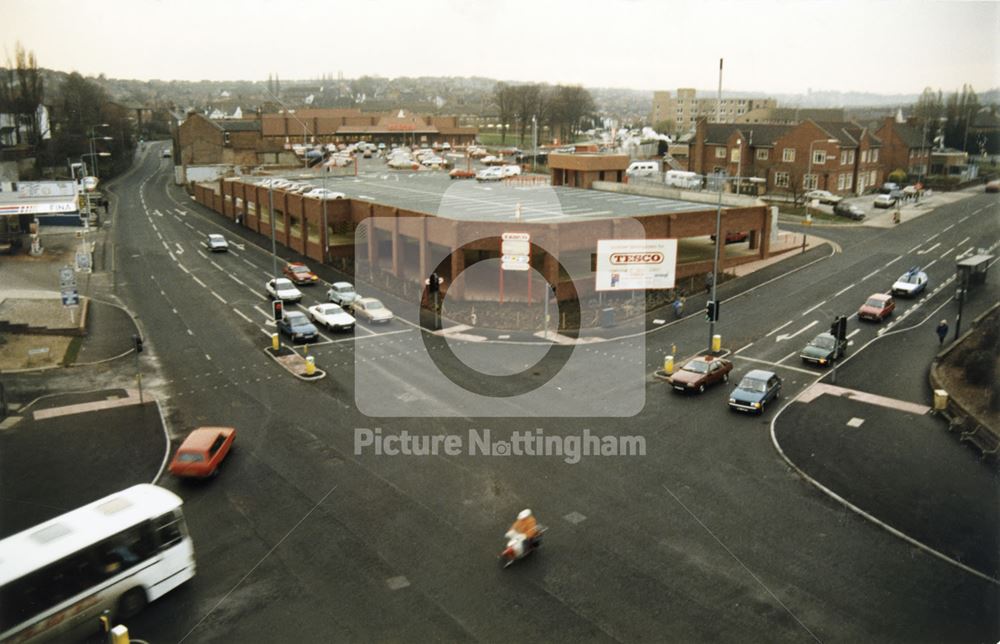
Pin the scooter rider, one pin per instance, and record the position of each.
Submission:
(523, 533)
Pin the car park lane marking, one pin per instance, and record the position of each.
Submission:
(808, 311)
(773, 331)
(240, 313)
(776, 365)
(814, 391)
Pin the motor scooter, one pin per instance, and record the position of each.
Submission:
(518, 548)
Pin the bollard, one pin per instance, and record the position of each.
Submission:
(275, 342)
(119, 635)
(310, 366)
(668, 365)
(940, 400)
(716, 343)
(305, 349)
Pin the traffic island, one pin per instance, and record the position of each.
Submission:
(300, 367)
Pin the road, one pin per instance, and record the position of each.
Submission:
(710, 536)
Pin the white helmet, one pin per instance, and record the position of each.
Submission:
(524, 514)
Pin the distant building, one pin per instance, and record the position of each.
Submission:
(351, 125)
(904, 147)
(685, 108)
(789, 115)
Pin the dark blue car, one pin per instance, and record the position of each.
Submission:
(757, 388)
(298, 327)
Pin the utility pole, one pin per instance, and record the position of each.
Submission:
(534, 143)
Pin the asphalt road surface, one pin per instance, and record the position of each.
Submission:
(708, 536)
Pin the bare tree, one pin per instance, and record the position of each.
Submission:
(503, 99)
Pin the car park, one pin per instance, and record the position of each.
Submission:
(993, 186)
(755, 391)
(202, 452)
(490, 174)
(877, 307)
(849, 210)
(823, 196)
(342, 293)
(823, 349)
(332, 316)
(297, 327)
(283, 289)
(217, 243)
(698, 373)
(885, 201)
(911, 283)
(371, 310)
(300, 274)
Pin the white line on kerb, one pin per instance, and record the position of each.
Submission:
(773, 331)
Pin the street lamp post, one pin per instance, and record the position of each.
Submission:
(739, 163)
(719, 179)
(534, 142)
(91, 137)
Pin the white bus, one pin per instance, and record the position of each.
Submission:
(117, 554)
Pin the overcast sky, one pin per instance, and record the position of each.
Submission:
(886, 47)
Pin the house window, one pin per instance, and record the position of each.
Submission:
(734, 156)
(809, 182)
(840, 182)
(720, 153)
(312, 231)
(848, 181)
(875, 155)
(871, 178)
(819, 157)
(295, 226)
(788, 155)
(843, 158)
(850, 157)
(279, 221)
(864, 156)
(781, 179)
(251, 207)
(225, 138)
(762, 154)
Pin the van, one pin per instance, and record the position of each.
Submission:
(643, 169)
(682, 179)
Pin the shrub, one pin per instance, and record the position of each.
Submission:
(898, 176)
(980, 368)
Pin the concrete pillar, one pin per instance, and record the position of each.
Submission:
(395, 244)
(422, 246)
(457, 266)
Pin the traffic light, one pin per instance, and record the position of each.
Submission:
(279, 310)
(434, 283)
(137, 343)
(839, 327)
(712, 311)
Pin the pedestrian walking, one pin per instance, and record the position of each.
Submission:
(679, 307)
(942, 331)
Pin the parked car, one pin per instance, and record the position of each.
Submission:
(699, 373)
(885, 201)
(911, 283)
(283, 289)
(167, 153)
(297, 327)
(490, 174)
(823, 349)
(993, 186)
(332, 317)
(824, 196)
(510, 170)
(300, 274)
(755, 390)
(849, 210)
(202, 452)
(877, 307)
(461, 174)
(734, 237)
(342, 293)
(217, 243)
(372, 310)
(888, 188)
(324, 193)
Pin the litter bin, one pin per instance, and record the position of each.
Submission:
(607, 318)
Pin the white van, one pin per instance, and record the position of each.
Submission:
(682, 179)
(643, 169)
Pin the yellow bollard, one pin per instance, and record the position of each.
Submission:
(940, 400)
(716, 343)
(668, 365)
(275, 342)
(310, 366)
(119, 635)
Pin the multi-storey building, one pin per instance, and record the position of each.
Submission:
(685, 108)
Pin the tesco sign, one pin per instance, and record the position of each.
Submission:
(635, 264)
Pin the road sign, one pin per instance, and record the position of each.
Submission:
(70, 297)
(515, 266)
(82, 261)
(515, 247)
(67, 278)
(515, 237)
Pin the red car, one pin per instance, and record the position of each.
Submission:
(462, 174)
(877, 307)
(202, 452)
(700, 372)
(300, 274)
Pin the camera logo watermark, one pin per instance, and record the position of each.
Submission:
(572, 448)
(525, 340)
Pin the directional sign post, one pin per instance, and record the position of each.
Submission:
(515, 250)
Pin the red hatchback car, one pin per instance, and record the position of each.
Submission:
(877, 307)
(202, 452)
(300, 274)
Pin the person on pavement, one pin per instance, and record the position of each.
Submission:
(942, 331)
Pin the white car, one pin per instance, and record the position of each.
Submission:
(824, 196)
(90, 184)
(403, 163)
(911, 283)
(488, 159)
(490, 174)
(342, 293)
(323, 193)
(332, 317)
(217, 243)
(430, 161)
(510, 170)
(371, 310)
(283, 289)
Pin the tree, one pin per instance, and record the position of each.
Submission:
(665, 127)
(503, 98)
(22, 90)
(571, 105)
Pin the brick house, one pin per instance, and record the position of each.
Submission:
(205, 141)
(904, 147)
(841, 157)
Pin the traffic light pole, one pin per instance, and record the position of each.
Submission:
(137, 343)
(715, 261)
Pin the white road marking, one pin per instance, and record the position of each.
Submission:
(773, 331)
(808, 311)
(190, 332)
(853, 333)
(774, 364)
(248, 262)
(931, 264)
(891, 262)
(745, 346)
(208, 357)
(915, 247)
(240, 313)
(181, 266)
(171, 256)
(872, 274)
(165, 245)
(217, 266)
(944, 230)
(962, 242)
(204, 256)
(787, 357)
(933, 237)
(945, 253)
(180, 251)
(924, 252)
(219, 297)
(203, 284)
(236, 279)
(843, 290)
(786, 336)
